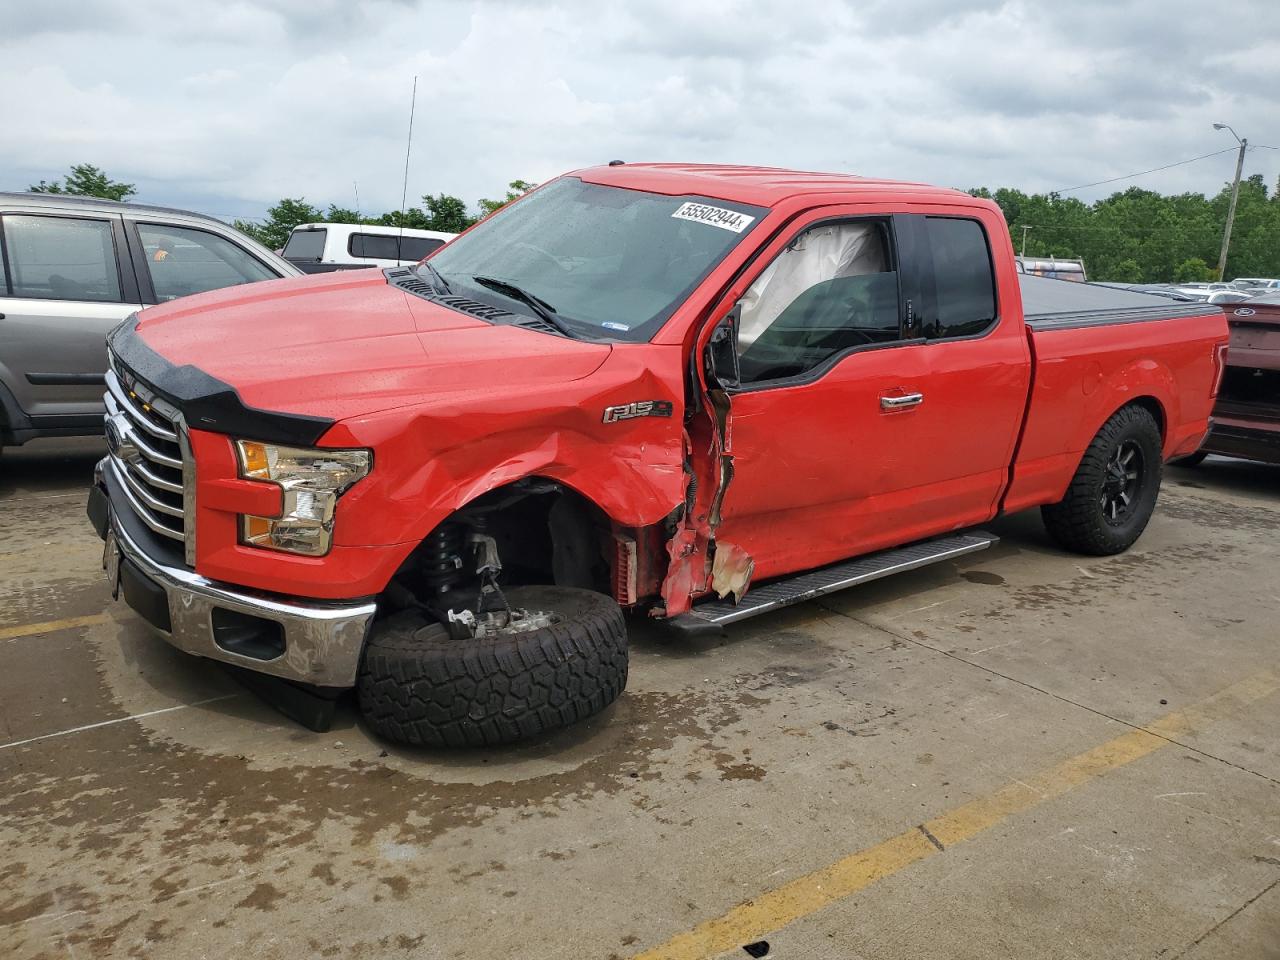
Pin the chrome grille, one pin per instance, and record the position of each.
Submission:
(150, 457)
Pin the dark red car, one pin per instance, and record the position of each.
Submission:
(1246, 417)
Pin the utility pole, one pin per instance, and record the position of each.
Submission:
(1235, 194)
(1025, 228)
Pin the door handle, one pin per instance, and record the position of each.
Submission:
(903, 402)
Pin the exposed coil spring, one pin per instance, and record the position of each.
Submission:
(442, 558)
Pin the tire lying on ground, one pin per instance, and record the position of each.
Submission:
(419, 686)
(1114, 490)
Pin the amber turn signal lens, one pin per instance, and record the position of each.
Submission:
(253, 457)
(256, 529)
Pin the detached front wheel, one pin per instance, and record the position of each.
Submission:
(1114, 490)
(560, 660)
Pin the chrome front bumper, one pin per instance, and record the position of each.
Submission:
(322, 641)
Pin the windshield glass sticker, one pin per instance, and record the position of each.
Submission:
(714, 216)
(613, 325)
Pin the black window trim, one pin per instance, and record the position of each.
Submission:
(892, 226)
(129, 293)
(138, 252)
(926, 273)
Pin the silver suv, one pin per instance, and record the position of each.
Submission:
(71, 268)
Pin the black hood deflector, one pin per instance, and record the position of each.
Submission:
(205, 401)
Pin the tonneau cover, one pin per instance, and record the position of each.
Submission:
(1050, 304)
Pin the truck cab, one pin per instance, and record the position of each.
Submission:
(684, 392)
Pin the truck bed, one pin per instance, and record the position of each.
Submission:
(1092, 347)
(1059, 304)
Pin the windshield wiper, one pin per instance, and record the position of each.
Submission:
(544, 310)
(440, 281)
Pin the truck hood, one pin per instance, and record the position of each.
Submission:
(340, 345)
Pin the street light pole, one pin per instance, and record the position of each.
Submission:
(1235, 194)
(1025, 228)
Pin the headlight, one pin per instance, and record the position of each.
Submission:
(311, 482)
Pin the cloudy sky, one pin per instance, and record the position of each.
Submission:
(227, 106)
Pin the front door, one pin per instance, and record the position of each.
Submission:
(881, 395)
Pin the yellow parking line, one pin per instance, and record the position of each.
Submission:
(49, 626)
(774, 909)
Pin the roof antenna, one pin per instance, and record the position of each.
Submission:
(355, 185)
(404, 192)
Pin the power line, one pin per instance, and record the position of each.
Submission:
(1141, 173)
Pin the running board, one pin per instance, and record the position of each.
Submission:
(715, 614)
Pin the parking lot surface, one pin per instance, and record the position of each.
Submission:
(1021, 754)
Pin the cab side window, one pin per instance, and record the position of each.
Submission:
(415, 248)
(833, 288)
(374, 246)
(963, 277)
(61, 258)
(183, 261)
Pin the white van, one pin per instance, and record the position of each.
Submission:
(322, 247)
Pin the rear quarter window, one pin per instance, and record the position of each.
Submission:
(963, 278)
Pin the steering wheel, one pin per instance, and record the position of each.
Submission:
(544, 254)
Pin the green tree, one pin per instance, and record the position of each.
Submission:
(515, 190)
(1194, 270)
(336, 214)
(86, 180)
(281, 219)
(447, 213)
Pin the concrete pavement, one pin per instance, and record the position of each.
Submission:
(1025, 753)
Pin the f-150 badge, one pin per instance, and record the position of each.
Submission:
(640, 408)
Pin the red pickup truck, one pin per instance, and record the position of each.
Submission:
(693, 392)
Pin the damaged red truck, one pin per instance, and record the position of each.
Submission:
(695, 393)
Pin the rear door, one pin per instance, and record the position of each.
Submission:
(67, 283)
(882, 395)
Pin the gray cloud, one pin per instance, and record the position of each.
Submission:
(227, 106)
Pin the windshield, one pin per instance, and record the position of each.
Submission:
(609, 262)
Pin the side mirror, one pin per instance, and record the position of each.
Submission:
(721, 357)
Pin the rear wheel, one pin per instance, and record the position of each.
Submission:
(1114, 490)
(562, 658)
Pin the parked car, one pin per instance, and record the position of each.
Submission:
(1053, 268)
(71, 268)
(1246, 416)
(325, 247)
(697, 392)
(1256, 284)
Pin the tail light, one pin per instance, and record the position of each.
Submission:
(1219, 367)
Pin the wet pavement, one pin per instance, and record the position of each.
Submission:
(1024, 753)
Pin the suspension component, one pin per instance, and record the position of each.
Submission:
(442, 558)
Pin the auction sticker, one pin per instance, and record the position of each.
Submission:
(714, 216)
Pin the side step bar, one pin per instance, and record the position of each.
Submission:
(715, 614)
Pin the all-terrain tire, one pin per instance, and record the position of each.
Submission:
(1080, 521)
(419, 686)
